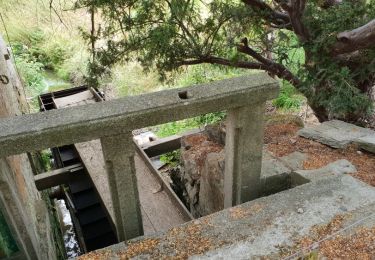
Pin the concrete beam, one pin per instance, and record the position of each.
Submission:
(56, 177)
(167, 144)
(84, 123)
(165, 185)
(118, 153)
(243, 154)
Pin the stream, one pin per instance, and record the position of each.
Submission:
(52, 82)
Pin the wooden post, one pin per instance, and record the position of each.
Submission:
(118, 153)
(243, 154)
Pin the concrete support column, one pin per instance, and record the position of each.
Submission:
(118, 153)
(243, 154)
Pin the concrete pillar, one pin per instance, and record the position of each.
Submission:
(243, 154)
(118, 153)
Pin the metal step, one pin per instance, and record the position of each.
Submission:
(85, 199)
(96, 229)
(80, 185)
(102, 241)
(90, 215)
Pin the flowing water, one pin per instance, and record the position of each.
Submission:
(70, 239)
(53, 83)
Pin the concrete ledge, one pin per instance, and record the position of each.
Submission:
(79, 124)
(258, 228)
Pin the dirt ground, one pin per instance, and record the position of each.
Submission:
(282, 139)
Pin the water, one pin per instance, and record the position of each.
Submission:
(70, 239)
(53, 83)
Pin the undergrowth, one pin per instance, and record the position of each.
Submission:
(289, 98)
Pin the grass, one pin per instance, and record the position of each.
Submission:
(40, 41)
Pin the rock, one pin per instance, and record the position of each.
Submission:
(211, 192)
(300, 210)
(367, 143)
(202, 174)
(277, 118)
(216, 133)
(294, 160)
(338, 134)
(338, 167)
(203, 159)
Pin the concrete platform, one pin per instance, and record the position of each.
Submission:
(260, 228)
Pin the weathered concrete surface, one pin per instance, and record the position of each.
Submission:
(158, 211)
(158, 208)
(119, 154)
(243, 154)
(276, 172)
(333, 169)
(338, 134)
(260, 227)
(64, 126)
(20, 201)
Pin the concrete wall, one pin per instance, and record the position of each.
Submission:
(20, 203)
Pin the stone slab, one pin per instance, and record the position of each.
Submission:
(333, 169)
(262, 227)
(339, 134)
(276, 171)
(367, 143)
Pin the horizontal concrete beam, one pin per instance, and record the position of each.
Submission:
(84, 123)
(56, 177)
(167, 144)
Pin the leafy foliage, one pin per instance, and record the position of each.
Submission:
(340, 95)
(289, 98)
(296, 47)
(30, 69)
(181, 126)
(171, 158)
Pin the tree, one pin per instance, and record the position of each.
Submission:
(334, 40)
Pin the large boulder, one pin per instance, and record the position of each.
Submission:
(202, 173)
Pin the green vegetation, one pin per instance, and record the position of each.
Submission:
(45, 158)
(166, 35)
(171, 158)
(179, 127)
(8, 245)
(42, 43)
(289, 98)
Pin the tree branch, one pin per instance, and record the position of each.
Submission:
(275, 17)
(360, 38)
(225, 62)
(271, 66)
(296, 10)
